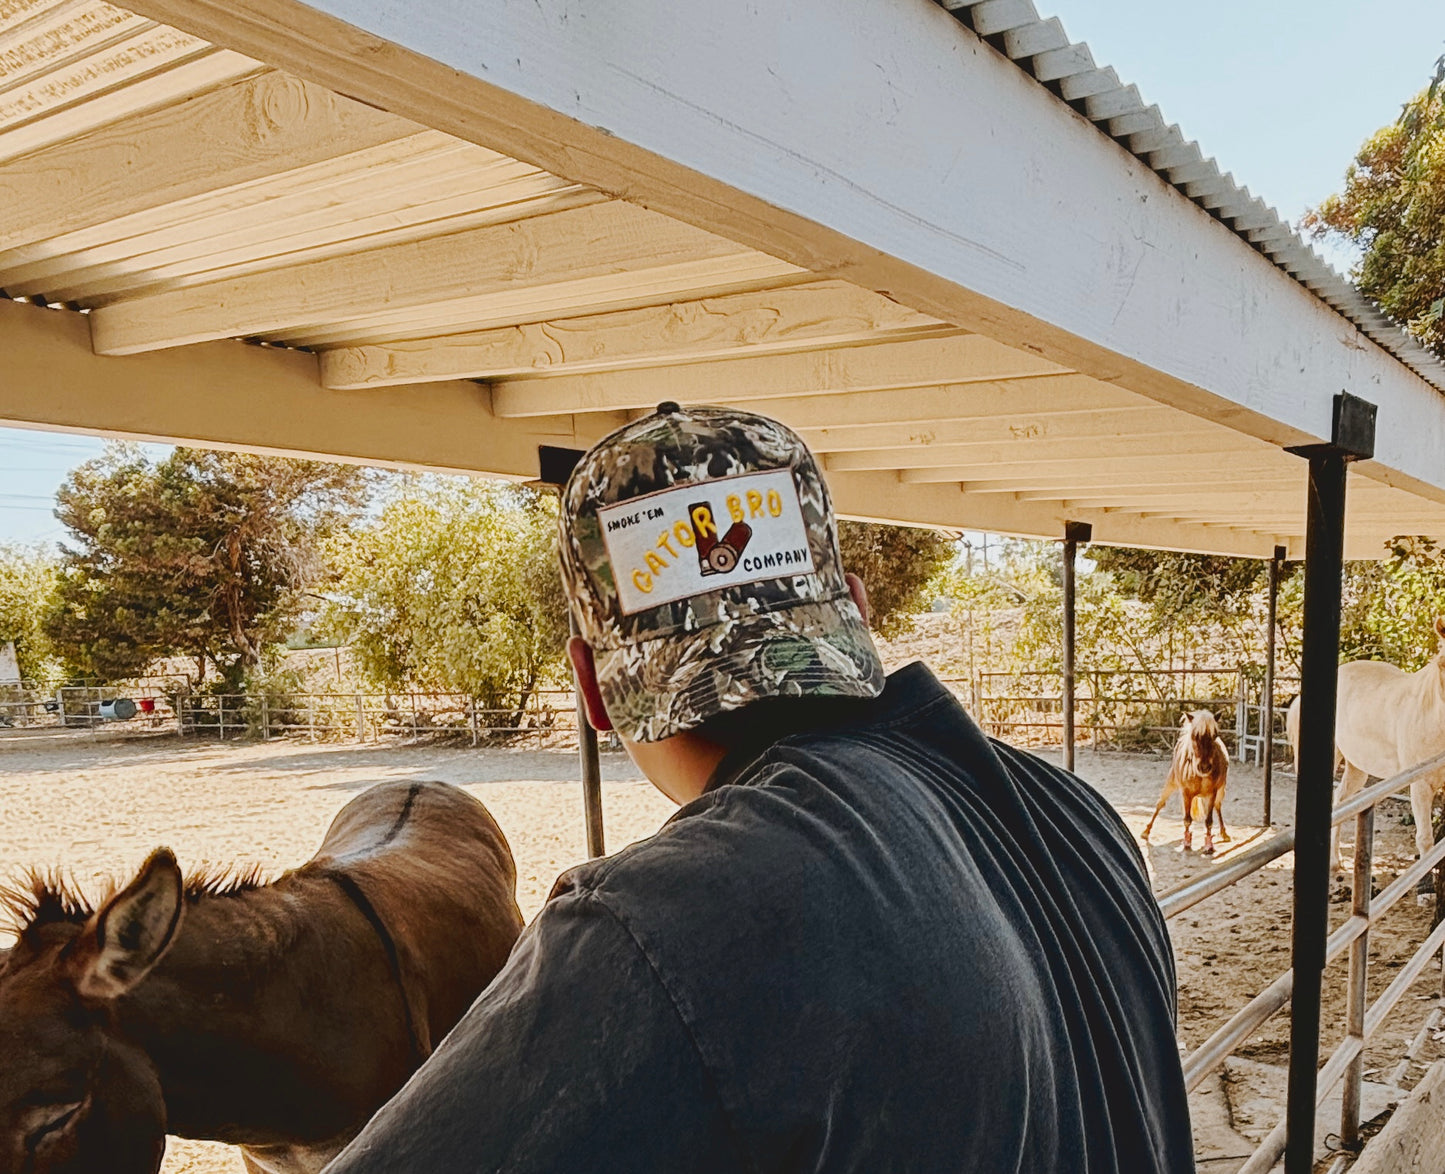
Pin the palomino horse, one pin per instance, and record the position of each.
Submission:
(1199, 771)
(277, 1017)
(1386, 721)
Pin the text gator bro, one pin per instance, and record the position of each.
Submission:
(671, 544)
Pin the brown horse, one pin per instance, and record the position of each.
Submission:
(277, 1017)
(1199, 770)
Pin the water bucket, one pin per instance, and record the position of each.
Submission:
(121, 709)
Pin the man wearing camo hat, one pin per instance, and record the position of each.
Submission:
(870, 940)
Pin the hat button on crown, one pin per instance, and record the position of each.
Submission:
(668, 406)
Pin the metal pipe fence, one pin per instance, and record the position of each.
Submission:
(28, 705)
(1363, 1018)
(548, 715)
(1130, 709)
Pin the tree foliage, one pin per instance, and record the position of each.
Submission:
(897, 565)
(1393, 209)
(1389, 607)
(27, 581)
(1184, 586)
(454, 588)
(200, 554)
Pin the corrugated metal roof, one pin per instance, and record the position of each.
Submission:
(1043, 50)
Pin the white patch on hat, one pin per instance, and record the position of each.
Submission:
(705, 536)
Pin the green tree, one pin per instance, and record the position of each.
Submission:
(898, 565)
(1393, 210)
(1389, 607)
(201, 554)
(454, 588)
(27, 582)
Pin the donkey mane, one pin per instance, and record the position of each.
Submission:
(48, 897)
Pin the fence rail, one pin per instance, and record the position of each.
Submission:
(1363, 1019)
(365, 717)
(1127, 708)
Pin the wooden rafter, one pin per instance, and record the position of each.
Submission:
(805, 316)
(607, 255)
(880, 366)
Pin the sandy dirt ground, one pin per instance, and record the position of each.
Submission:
(96, 805)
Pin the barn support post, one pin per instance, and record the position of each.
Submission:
(591, 777)
(1074, 533)
(1352, 438)
(1267, 708)
(554, 466)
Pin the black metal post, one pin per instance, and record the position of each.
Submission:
(591, 781)
(1353, 437)
(1074, 533)
(554, 466)
(1268, 698)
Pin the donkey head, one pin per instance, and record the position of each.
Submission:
(77, 1097)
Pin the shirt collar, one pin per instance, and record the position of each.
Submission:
(906, 690)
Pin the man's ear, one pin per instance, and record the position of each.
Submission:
(579, 652)
(130, 933)
(859, 594)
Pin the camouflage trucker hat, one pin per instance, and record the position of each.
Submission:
(700, 556)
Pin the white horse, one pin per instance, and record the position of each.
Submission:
(1386, 721)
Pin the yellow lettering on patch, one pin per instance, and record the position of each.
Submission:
(755, 504)
(775, 503)
(663, 541)
(702, 521)
(735, 507)
(642, 580)
(654, 562)
(683, 534)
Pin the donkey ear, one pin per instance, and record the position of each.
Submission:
(1440, 627)
(131, 932)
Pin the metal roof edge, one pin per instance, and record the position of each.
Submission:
(1042, 49)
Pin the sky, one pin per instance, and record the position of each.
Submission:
(1281, 92)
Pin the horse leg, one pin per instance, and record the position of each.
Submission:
(1422, 796)
(1208, 801)
(1188, 822)
(1163, 799)
(1352, 780)
(1224, 836)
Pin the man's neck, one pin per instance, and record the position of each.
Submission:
(680, 766)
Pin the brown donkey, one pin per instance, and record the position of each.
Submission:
(1199, 771)
(277, 1017)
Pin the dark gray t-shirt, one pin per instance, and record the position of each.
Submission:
(890, 945)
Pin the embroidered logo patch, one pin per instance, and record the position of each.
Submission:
(704, 536)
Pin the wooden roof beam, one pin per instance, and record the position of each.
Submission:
(1044, 452)
(829, 313)
(1108, 425)
(234, 135)
(259, 399)
(601, 257)
(1125, 493)
(881, 496)
(1055, 395)
(927, 362)
(978, 468)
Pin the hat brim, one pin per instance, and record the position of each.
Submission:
(656, 688)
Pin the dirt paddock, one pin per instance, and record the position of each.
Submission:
(96, 804)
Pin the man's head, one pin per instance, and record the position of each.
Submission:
(700, 557)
